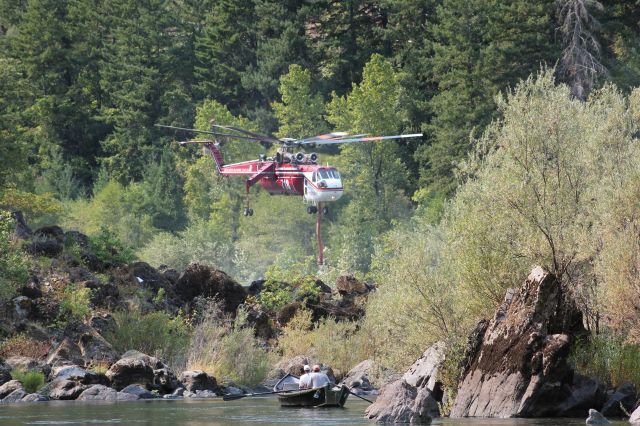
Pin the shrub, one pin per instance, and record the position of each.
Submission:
(307, 291)
(31, 380)
(22, 345)
(109, 248)
(14, 265)
(75, 302)
(609, 358)
(156, 333)
(275, 294)
(340, 344)
(227, 349)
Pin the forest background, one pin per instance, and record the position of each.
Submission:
(529, 154)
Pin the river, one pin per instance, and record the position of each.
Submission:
(264, 411)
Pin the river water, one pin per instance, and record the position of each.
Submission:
(263, 411)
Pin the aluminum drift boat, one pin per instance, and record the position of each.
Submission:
(327, 396)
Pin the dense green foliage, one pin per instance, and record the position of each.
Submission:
(31, 380)
(14, 267)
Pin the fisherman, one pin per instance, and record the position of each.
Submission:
(305, 379)
(318, 379)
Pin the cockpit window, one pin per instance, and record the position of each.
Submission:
(327, 174)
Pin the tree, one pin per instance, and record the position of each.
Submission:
(300, 112)
(374, 173)
(480, 48)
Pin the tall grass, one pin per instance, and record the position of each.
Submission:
(31, 380)
(156, 333)
(228, 349)
(608, 358)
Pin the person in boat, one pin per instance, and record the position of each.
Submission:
(305, 379)
(318, 378)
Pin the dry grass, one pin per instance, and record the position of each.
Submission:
(21, 345)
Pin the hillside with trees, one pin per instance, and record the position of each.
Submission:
(529, 156)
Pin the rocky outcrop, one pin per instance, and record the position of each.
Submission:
(5, 373)
(625, 395)
(103, 393)
(95, 349)
(349, 284)
(199, 280)
(34, 397)
(198, 380)
(15, 396)
(520, 367)
(62, 389)
(400, 402)
(77, 374)
(66, 352)
(28, 364)
(357, 379)
(137, 368)
(133, 368)
(139, 392)
(47, 241)
(9, 387)
(414, 397)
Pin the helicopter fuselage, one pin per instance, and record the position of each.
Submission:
(285, 176)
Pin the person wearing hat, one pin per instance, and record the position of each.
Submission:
(318, 378)
(305, 379)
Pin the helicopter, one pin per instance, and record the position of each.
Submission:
(290, 171)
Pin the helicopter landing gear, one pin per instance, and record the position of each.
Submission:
(248, 211)
(312, 209)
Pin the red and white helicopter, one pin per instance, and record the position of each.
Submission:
(288, 172)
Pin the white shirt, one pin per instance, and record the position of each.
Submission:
(318, 380)
(305, 381)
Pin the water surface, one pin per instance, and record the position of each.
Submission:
(264, 411)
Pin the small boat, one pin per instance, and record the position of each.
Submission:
(327, 396)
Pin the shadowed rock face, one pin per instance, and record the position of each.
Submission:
(520, 367)
(199, 280)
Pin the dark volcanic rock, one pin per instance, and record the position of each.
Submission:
(139, 392)
(520, 369)
(34, 397)
(259, 320)
(148, 277)
(15, 396)
(95, 349)
(63, 389)
(625, 395)
(349, 284)
(133, 368)
(198, 380)
(66, 352)
(47, 241)
(103, 393)
(5, 373)
(199, 280)
(22, 230)
(103, 323)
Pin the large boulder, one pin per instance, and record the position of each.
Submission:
(137, 368)
(9, 387)
(103, 393)
(414, 397)
(399, 402)
(200, 280)
(198, 380)
(22, 230)
(14, 396)
(47, 241)
(625, 395)
(77, 374)
(62, 389)
(95, 349)
(350, 285)
(596, 418)
(520, 367)
(357, 379)
(139, 392)
(5, 373)
(148, 277)
(66, 352)
(28, 364)
(34, 397)
(133, 368)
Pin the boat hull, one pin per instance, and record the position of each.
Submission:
(321, 397)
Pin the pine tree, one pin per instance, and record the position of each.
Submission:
(480, 48)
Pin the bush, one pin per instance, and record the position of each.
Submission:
(341, 345)
(75, 303)
(156, 333)
(31, 380)
(14, 265)
(275, 294)
(609, 358)
(228, 350)
(109, 248)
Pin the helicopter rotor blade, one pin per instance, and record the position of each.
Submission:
(358, 139)
(210, 133)
(258, 136)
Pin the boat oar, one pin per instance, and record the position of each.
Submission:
(244, 395)
(355, 394)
